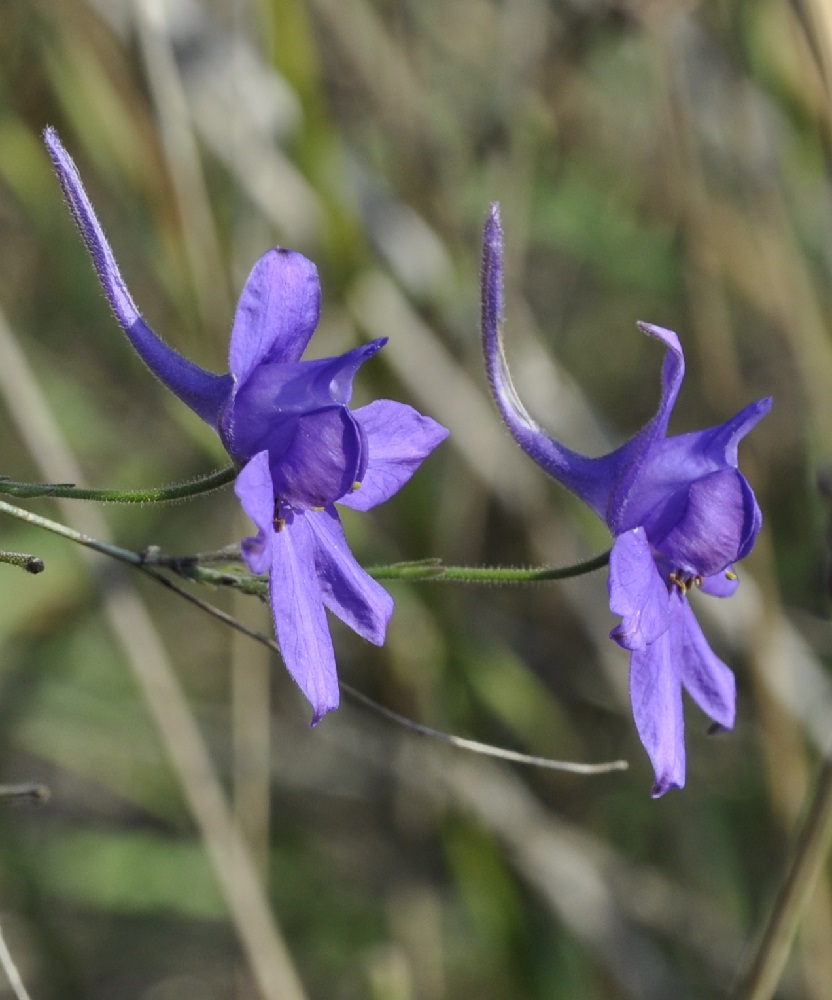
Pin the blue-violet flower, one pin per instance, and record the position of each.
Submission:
(300, 449)
(681, 514)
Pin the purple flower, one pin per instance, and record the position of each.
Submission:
(681, 513)
(300, 449)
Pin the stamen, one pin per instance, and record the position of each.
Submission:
(730, 575)
(278, 522)
(684, 583)
(356, 486)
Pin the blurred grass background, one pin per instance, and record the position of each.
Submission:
(657, 161)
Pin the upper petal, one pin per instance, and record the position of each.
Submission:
(398, 440)
(347, 590)
(204, 392)
(277, 312)
(637, 592)
(275, 394)
(720, 443)
(656, 695)
(637, 456)
(673, 371)
(299, 616)
(706, 678)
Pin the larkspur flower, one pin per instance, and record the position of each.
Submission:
(681, 514)
(287, 426)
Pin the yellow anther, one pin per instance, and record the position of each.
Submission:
(355, 486)
(684, 583)
(278, 522)
(730, 575)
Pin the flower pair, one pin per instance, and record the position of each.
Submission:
(287, 426)
(679, 509)
(681, 514)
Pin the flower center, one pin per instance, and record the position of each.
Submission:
(684, 581)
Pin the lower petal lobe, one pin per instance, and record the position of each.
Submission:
(347, 590)
(637, 592)
(299, 616)
(256, 494)
(706, 678)
(656, 695)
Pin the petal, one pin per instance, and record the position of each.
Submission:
(706, 678)
(753, 522)
(590, 479)
(204, 392)
(673, 372)
(721, 443)
(277, 312)
(721, 584)
(337, 379)
(299, 616)
(347, 590)
(637, 592)
(255, 492)
(656, 695)
(276, 388)
(398, 440)
(714, 524)
(275, 394)
(626, 500)
(323, 459)
(677, 461)
(257, 551)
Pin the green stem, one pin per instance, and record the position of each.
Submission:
(157, 494)
(433, 570)
(124, 555)
(427, 570)
(190, 568)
